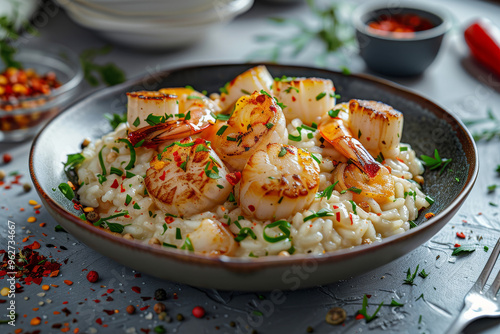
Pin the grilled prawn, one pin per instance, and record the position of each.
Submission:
(333, 128)
(187, 178)
(255, 122)
(277, 182)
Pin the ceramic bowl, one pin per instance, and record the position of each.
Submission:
(406, 54)
(23, 117)
(64, 134)
(159, 30)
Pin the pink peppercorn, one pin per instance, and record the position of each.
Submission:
(92, 276)
(198, 312)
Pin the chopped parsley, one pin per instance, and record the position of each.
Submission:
(363, 311)
(353, 207)
(320, 96)
(183, 165)
(429, 200)
(334, 112)
(245, 232)
(137, 122)
(410, 277)
(395, 303)
(423, 274)
(327, 192)
(101, 161)
(321, 213)
(380, 157)
(221, 130)
(188, 245)
(282, 152)
(128, 199)
(212, 173)
(353, 189)
(66, 191)
(116, 171)
(132, 153)
(463, 250)
(284, 227)
(289, 89)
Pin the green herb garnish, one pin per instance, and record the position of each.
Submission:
(109, 73)
(436, 162)
(283, 225)
(363, 311)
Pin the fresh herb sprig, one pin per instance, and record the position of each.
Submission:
(9, 34)
(109, 73)
(436, 162)
(489, 133)
(363, 310)
(332, 30)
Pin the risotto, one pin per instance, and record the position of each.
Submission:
(283, 170)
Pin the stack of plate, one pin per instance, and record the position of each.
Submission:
(154, 24)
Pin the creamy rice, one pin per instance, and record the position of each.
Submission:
(342, 229)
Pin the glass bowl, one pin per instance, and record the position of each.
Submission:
(22, 118)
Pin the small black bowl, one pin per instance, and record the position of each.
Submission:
(398, 55)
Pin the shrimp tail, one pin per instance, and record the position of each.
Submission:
(336, 133)
(159, 133)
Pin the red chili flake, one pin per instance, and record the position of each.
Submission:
(199, 141)
(109, 312)
(198, 312)
(92, 276)
(368, 138)
(162, 177)
(145, 330)
(145, 298)
(464, 221)
(359, 317)
(293, 98)
(169, 219)
(457, 245)
(461, 235)
(115, 184)
(136, 289)
(122, 190)
(97, 301)
(99, 321)
(7, 158)
(251, 208)
(34, 245)
(66, 311)
(350, 217)
(144, 308)
(64, 303)
(110, 290)
(175, 296)
(137, 275)
(233, 178)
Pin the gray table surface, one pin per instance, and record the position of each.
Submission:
(454, 81)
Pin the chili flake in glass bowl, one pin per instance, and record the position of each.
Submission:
(30, 96)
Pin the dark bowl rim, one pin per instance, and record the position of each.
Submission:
(257, 264)
(436, 31)
(72, 83)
